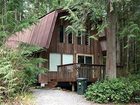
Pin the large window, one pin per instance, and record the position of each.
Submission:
(67, 59)
(61, 34)
(85, 59)
(54, 61)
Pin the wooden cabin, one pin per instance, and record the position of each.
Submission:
(69, 56)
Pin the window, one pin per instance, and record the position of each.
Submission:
(70, 38)
(88, 59)
(61, 34)
(79, 38)
(87, 40)
(85, 59)
(54, 61)
(67, 58)
(81, 59)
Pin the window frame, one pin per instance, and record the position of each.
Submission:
(71, 37)
(88, 40)
(50, 65)
(85, 55)
(81, 42)
(63, 32)
(61, 60)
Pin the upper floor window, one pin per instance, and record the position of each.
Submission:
(87, 40)
(61, 34)
(70, 38)
(79, 38)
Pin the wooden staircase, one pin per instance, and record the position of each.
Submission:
(49, 78)
(52, 84)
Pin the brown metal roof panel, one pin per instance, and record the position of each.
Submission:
(52, 29)
(22, 36)
(12, 44)
(46, 31)
(41, 32)
(38, 34)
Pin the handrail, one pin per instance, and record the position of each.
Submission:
(86, 64)
(51, 71)
(81, 64)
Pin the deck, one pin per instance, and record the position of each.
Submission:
(70, 73)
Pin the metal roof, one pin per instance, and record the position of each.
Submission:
(39, 34)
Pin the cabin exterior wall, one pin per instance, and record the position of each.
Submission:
(57, 47)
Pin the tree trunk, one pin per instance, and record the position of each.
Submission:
(128, 55)
(111, 43)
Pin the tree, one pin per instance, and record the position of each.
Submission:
(111, 41)
(111, 13)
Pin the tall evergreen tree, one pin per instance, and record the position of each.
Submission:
(111, 12)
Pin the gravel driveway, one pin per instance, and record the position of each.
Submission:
(59, 97)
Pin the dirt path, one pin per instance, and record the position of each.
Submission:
(59, 97)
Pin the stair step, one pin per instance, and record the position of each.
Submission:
(52, 84)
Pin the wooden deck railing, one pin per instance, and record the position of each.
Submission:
(70, 73)
(67, 73)
(92, 72)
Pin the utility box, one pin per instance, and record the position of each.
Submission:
(81, 85)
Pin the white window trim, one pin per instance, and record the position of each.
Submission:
(89, 41)
(85, 55)
(50, 61)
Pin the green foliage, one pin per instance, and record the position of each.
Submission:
(18, 70)
(25, 98)
(87, 16)
(84, 13)
(18, 14)
(118, 90)
(131, 30)
(94, 13)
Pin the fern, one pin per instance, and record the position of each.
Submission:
(18, 70)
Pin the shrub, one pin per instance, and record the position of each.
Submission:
(134, 80)
(18, 70)
(118, 90)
